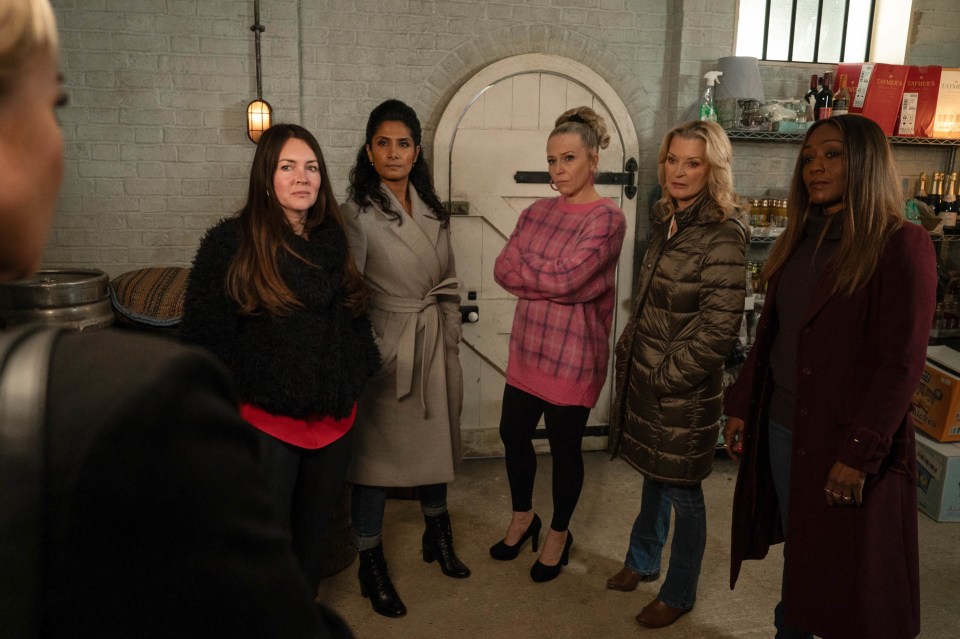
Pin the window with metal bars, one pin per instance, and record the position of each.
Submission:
(824, 31)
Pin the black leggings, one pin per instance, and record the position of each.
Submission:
(306, 484)
(565, 428)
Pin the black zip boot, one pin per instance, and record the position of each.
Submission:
(438, 544)
(375, 583)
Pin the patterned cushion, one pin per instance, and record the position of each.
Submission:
(150, 296)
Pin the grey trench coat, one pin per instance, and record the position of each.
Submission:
(407, 430)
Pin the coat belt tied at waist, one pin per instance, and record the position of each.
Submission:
(428, 310)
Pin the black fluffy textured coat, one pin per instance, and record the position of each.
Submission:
(313, 362)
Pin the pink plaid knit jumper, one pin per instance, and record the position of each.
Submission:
(560, 261)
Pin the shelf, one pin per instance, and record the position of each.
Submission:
(936, 333)
(776, 136)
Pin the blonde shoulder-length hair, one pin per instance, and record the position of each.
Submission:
(718, 156)
(27, 28)
(872, 205)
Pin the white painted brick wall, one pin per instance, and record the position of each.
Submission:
(155, 142)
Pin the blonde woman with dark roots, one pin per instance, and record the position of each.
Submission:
(670, 358)
(819, 416)
(560, 261)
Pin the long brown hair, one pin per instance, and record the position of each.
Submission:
(254, 279)
(718, 153)
(872, 205)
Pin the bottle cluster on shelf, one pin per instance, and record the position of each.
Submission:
(755, 284)
(768, 216)
(941, 199)
(946, 317)
(822, 101)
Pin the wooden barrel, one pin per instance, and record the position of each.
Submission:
(78, 299)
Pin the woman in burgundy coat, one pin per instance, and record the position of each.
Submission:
(820, 412)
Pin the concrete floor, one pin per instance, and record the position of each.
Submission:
(499, 599)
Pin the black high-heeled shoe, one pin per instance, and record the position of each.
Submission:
(502, 552)
(541, 572)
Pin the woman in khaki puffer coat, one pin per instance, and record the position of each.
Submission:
(669, 361)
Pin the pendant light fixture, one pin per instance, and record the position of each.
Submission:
(259, 112)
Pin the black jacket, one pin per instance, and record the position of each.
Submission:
(311, 362)
(157, 519)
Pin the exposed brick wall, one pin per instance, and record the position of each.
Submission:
(156, 146)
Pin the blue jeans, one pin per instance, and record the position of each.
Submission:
(781, 448)
(689, 539)
(368, 503)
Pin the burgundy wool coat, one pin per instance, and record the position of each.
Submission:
(849, 572)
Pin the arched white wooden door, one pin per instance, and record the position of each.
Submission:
(494, 127)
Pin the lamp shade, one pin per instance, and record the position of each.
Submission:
(259, 116)
(740, 79)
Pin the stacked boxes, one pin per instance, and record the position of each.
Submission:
(936, 403)
(908, 101)
(938, 479)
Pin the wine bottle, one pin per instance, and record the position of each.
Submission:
(936, 193)
(810, 97)
(824, 98)
(921, 194)
(948, 207)
(841, 99)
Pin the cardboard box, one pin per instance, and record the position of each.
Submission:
(884, 92)
(936, 403)
(858, 78)
(946, 119)
(919, 102)
(938, 479)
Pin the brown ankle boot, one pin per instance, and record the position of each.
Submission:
(627, 580)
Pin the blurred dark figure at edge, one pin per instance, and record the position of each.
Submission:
(156, 520)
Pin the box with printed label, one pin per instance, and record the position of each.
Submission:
(884, 93)
(858, 78)
(938, 479)
(936, 403)
(919, 102)
(946, 119)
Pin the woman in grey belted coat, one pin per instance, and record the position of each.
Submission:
(408, 418)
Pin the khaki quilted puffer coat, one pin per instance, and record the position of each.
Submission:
(669, 359)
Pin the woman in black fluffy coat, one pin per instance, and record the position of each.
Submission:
(275, 294)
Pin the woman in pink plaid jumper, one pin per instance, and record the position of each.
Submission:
(560, 262)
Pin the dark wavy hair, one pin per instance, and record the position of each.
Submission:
(365, 182)
(254, 279)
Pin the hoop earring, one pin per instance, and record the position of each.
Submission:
(553, 186)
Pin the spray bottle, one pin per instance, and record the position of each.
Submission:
(707, 109)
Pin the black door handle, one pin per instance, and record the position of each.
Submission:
(627, 178)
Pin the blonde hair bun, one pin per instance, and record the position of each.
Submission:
(586, 122)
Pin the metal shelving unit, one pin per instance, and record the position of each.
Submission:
(776, 136)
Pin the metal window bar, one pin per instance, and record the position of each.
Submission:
(816, 42)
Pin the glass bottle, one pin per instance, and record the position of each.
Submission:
(948, 207)
(921, 193)
(825, 98)
(936, 193)
(841, 99)
(763, 213)
(810, 97)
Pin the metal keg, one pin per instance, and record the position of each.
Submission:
(78, 299)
